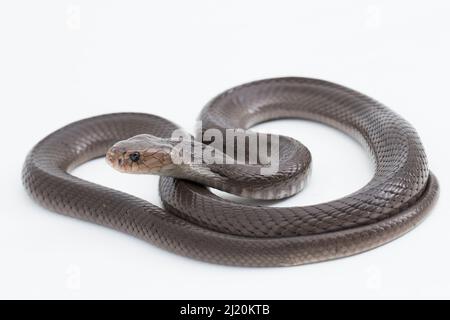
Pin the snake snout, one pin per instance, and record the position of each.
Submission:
(114, 157)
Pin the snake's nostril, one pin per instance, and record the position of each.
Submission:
(120, 161)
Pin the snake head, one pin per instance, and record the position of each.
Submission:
(143, 153)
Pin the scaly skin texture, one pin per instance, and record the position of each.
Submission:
(200, 225)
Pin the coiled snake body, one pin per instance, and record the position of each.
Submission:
(199, 224)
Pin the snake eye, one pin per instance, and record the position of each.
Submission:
(135, 156)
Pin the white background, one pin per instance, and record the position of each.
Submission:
(61, 61)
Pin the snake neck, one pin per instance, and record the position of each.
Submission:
(208, 165)
(195, 161)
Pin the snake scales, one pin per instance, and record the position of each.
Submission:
(198, 224)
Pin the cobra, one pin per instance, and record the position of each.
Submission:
(196, 223)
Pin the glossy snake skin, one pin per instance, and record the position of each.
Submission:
(198, 224)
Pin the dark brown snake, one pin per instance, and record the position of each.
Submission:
(198, 224)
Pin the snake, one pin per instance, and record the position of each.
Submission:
(195, 222)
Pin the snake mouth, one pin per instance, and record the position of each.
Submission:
(143, 162)
(120, 159)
